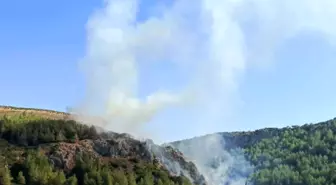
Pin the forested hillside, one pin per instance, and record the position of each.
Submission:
(298, 155)
(43, 150)
(40, 150)
(303, 155)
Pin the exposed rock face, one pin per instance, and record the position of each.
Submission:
(65, 154)
(115, 145)
(122, 146)
(175, 162)
(220, 161)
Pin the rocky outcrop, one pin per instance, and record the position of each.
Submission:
(64, 154)
(122, 146)
(188, 168)
(118, 146)
(175, 162)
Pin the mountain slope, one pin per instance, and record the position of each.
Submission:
(34, 141)
(298, 155)
(47, 147)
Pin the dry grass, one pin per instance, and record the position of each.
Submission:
(48, 114)
(54, 115)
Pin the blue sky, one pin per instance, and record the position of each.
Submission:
(42, 42)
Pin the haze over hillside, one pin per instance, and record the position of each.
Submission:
(168, 70)
(242, 64)
(293, 155)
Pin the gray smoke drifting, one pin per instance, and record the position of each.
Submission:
(210, 42)
(218, 165)
(204, 46)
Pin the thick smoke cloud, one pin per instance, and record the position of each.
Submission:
(210, 43)
(218, 165)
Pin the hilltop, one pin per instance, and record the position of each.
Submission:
(42, 113)
(47, 147)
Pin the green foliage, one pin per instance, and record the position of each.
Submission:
(28, 131)
(131, 179)
(291, 156)
(20, 178)
(72, 180)
(5, 176)
(297, 156)
(91, 171)
(40, 172)
(23, 137)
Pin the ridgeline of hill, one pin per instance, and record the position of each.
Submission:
(46, 147)
(42, 113)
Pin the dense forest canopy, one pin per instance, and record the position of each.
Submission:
(28, 140)
(296, 155)
(304, 155)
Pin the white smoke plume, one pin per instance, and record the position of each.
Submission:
(218, 165)
(211, 42)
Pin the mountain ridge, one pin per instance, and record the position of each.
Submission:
(53, 136)
(298, 155)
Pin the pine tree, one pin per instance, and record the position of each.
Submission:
(20, 178)
(99, 179)
(148, 179)
(131, 179)
(159, 182)
(5, 177)
(107, 178)
(86, 179)
(120, 177)
(71, 180)
(142, 182)
(59, 178)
